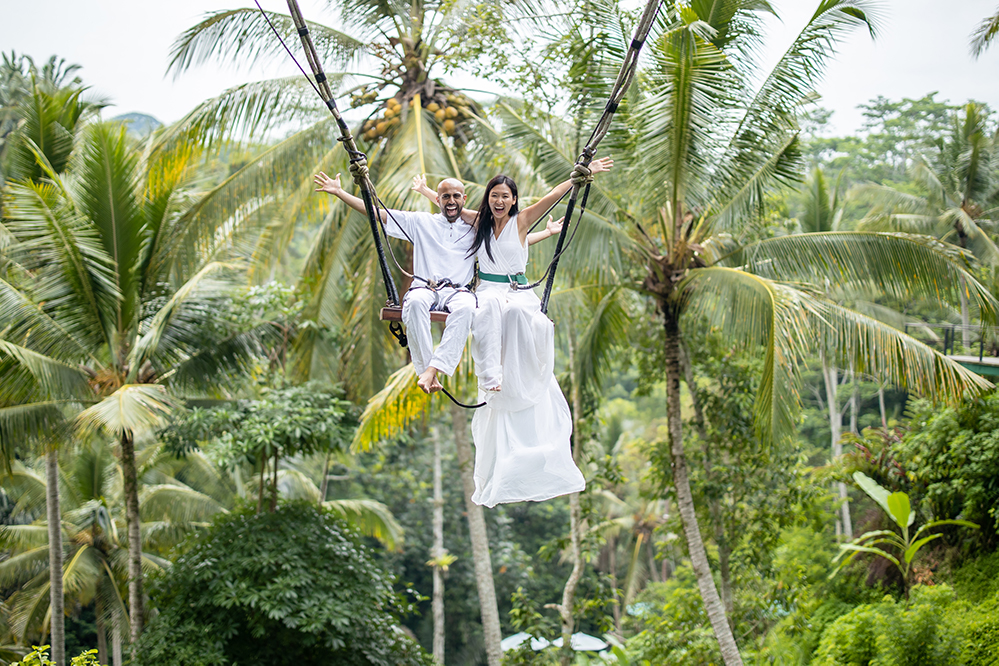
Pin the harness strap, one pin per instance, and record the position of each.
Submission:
(516, 279)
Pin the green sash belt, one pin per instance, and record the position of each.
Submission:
(519, 278)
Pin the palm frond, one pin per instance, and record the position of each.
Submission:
(227, 216)
(370, 518)
(390, 410)
(52, 377)
(984, 34)
(20, 424)
(22, 538)
(243, 36)
(71, 273)
(176, 503)
(132, 408)
(250, 110)
(107, 193)
(147, 345)
(757, 312)
(904, 266)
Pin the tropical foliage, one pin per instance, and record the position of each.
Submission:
(298, 588)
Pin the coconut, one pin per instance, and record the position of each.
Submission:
(439, 115)
(433, 107)
(451, 112)
(449, 126)
(371, 134)
(395, 121)
(382, 127)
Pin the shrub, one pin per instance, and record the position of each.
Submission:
(890, 633)
(673, 626)
(951, 458)
(290, 587)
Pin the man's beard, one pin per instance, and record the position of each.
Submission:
(457, 215)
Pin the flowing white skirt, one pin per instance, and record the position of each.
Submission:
(522, 435)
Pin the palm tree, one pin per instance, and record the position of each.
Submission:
(47, 110)
(704, 148)
(109, 299)
(962, 195)
(96, 567)
(984, 34)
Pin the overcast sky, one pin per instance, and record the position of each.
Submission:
(123, 47)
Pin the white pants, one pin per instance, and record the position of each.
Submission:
(416, 316)
(501, 312)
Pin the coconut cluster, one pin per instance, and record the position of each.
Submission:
(450, 110)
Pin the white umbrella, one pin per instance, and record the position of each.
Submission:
(583, 643)
(510, 642)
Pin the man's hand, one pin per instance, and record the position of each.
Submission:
(420, 187)
(554, 227)
(420, 183)
(601, 165)
(326, 184)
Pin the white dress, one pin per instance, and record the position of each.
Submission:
(522, 435)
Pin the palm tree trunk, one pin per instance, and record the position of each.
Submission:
(116, 659)
(438, 551)
(325, 484)
(480, 541)
(715, 505)
(685, 498)
(274, 483)
(54, 517)
(612, 567)
(965, 319)
(131, 483)
(830, 374)
(881, 406)
(102, 637)
(575, 520)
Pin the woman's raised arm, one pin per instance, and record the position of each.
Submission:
(528, 216)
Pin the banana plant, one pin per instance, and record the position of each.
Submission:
(900, 548)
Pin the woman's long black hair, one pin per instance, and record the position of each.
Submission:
(486, 223)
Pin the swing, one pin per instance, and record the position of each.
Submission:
(392, 311)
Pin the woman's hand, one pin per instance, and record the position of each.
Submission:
(601, 165)
(326, 184)
(553, 227)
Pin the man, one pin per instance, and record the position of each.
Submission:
(440, 247)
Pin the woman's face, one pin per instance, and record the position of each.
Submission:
(501, 200)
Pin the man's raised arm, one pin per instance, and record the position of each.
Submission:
(332, 186)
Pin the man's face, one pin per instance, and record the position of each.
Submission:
(451, 198)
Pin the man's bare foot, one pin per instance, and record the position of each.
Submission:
(428, 381)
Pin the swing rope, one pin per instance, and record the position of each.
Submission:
(358, 160)
(581, 171)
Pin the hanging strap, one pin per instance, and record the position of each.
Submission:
(358, 160)
(581, 171)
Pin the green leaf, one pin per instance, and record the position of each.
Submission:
(911, 551)
(940, 523)
(873, 490)
(900, 510)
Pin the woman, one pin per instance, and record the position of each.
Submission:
(522, 435)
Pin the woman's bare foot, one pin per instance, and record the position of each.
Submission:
(428, 381)
(494, 389)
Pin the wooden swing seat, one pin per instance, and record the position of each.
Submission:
(390, 313)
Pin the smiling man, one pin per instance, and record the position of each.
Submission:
(440, 255)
